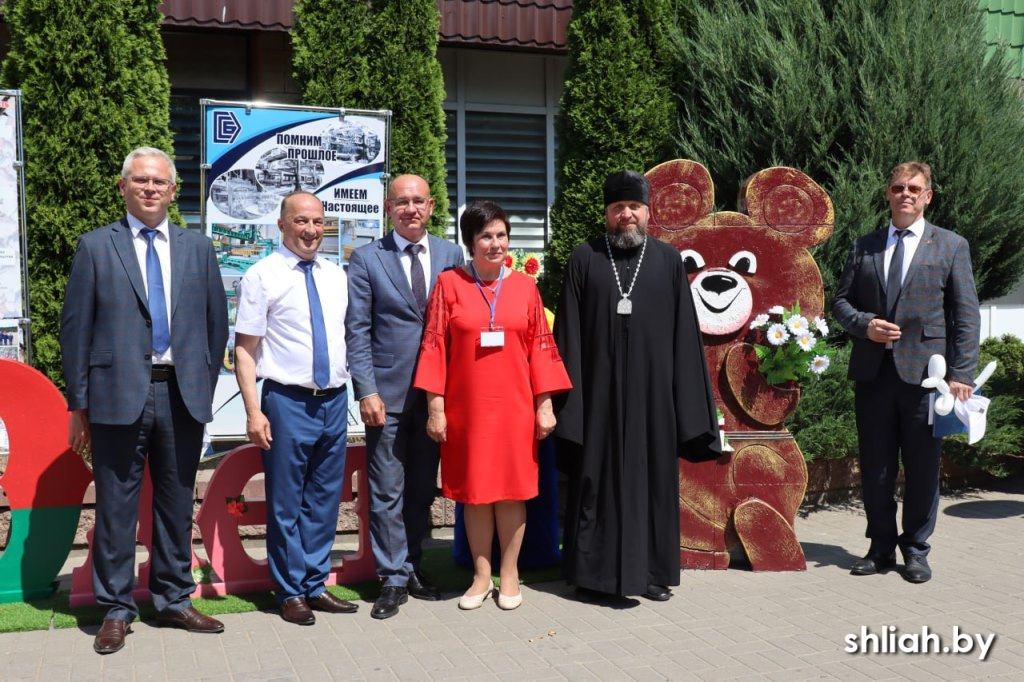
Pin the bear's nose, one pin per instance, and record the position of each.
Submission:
(718, 284)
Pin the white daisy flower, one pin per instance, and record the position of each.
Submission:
(819, 364)
(797, 325)
(821, 326)
(776, 310)
(777, 334)
(759, 321)
(806, 341)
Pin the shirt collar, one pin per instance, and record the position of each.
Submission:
(137, 226)
(292, 259)
(401, 242)
(916, 228)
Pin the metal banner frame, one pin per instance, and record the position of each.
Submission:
(15, 329)
(253, 154)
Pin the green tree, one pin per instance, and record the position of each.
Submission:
(617, 112)
(94, 85)
(380, 54)
(846, 90)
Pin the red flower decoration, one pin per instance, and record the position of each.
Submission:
(508, 261)
(531, 267)
(237, 506)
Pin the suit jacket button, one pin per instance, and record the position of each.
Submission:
(148, 356)
(149, 323)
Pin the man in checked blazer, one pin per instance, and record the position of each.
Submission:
(142, 336)
(388, 284)
(907, 293)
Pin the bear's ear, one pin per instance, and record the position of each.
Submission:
(788, 201)
(681, 194)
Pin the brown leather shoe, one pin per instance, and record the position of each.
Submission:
(110, 638)
(296, 610)
(331, 604)
(189, 619)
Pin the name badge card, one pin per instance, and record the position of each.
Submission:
(492, 338)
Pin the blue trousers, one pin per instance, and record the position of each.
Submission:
(167, 435)
(304, 470)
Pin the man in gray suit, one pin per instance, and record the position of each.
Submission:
(143, 331)
(906, 294)
(389, 281)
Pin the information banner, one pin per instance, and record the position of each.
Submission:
(12, 239)
(255, 154)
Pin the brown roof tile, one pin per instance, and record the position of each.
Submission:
(530, 24)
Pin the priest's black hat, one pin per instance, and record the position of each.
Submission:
(627, 185)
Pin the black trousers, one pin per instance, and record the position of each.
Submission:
(892, 426)
(168, 436)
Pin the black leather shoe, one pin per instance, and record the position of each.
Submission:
(110, 638)
(328, 603)
(658, 593)
(189, 619)
(421, 588)
(391, 597)
(873, 563)
(917, 569)
(296, 610)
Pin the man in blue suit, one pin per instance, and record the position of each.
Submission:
(389, 281)
(142, 336)
(907, 293)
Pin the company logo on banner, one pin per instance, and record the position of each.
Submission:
(256, 155)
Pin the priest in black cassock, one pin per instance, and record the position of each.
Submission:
(641, 398)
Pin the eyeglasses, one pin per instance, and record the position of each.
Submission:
(159, 184)
(913, 189)
(419, 203)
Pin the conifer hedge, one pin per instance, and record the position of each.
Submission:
(617, 111)
(380, 54)
(846, 90)
(94, 87)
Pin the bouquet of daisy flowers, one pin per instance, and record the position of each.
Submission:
(788, 346)
(531, 264)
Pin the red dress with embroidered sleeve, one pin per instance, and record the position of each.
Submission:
(491, 451)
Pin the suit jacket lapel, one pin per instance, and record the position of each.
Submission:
(922, 252)
(437, 263)
(175, 235)
(878, 258)
(391, 260)
(125, 247)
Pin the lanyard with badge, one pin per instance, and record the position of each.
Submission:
(491, 336)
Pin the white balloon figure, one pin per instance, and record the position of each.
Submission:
(972, 412)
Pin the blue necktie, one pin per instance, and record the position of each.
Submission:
(321, 357)
(155, 290)
(894, 281)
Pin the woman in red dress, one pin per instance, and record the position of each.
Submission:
(489, 366)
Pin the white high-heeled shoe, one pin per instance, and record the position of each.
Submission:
(507, 603)
(468, 602)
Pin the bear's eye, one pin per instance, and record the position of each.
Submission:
(692, 260)
(743, 262)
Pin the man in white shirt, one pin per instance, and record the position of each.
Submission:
(290, 332)
(907, 293)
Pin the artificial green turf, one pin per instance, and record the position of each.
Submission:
(42, 614)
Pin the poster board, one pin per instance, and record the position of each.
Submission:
(13, 245)
(255, 154)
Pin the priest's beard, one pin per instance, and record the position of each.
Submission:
(628, 239)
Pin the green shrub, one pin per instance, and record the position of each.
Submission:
(823, 424)
(999, 452)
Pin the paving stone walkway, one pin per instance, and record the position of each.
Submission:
(720, 625)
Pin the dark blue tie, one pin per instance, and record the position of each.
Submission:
(417, 278)
(321, 357)
(894, 281)
(155, 290)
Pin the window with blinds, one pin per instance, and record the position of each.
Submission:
(505, 161)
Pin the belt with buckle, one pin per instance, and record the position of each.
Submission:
(315, 392)
(162, 372)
